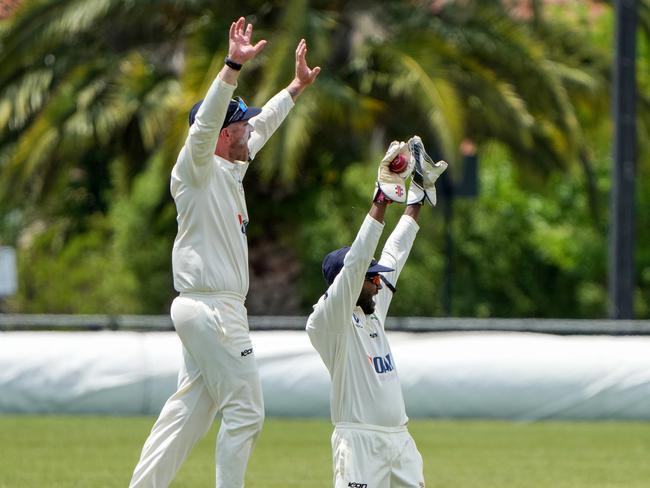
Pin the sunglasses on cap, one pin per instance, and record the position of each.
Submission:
(241, 108)
(374, 279)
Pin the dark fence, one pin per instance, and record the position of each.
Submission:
(33, 322)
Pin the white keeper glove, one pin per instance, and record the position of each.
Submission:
(391, 186)
(425, 174)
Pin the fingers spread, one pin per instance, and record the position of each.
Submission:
(239, 25)
(300, 49)
(259, 46)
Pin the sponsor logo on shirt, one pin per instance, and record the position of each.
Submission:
(373, 335)
(243, 224)
(357, 321)
(246, 352)
(354, 484)
(382, 364)
(375, 320)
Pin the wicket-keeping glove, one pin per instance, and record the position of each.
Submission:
(425, 174)
(391, 184)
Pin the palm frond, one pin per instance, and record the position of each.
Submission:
(437, 96)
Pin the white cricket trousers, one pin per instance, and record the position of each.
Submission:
(218, 374)
(371, 456)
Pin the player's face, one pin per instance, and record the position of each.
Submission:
(239, 133)
(371, 286)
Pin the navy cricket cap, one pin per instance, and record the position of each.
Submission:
(237, 112)
(333, 263)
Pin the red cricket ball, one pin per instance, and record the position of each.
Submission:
(398, 164)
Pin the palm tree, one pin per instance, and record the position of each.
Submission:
(87, 89)
(94, 96)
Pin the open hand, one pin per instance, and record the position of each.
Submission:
(304, 74)
(240, 48)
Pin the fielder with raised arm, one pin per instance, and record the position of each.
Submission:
(371, 446)
(210, 262)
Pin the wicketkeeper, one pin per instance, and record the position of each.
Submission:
(371, 446)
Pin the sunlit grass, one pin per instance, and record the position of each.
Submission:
(101, 452)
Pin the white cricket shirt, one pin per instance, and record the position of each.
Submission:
(353, 346)
(210, 252)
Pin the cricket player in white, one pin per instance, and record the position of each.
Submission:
(371, 445)
(210, 262)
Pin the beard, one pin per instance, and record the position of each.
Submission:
(367, 304)
(240, 152)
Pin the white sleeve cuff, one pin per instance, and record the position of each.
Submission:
(370, 221)
(409, 222)
(286, 97)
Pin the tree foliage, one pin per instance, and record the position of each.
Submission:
(93, 108)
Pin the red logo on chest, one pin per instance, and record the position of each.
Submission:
(243, 224)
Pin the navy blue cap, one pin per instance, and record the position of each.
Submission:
(333, 263)
(237, 112)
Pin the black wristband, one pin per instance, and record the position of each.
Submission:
(231, 64)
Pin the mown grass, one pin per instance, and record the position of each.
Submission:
(58, 452)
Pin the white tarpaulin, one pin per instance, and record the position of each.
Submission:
(507, 375)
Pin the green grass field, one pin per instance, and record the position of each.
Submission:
(100, 452)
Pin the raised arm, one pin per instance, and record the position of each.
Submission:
(204, 132)
(399, 244)
(240, 50)
(334, 309)
(413, 211)
(305, 75)
(394, 255)
(277, 108)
